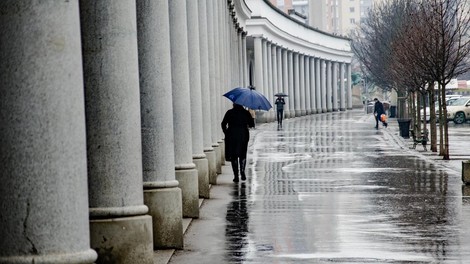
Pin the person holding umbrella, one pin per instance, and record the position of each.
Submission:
(280, 109)
(235, 126)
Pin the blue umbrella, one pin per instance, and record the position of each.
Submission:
(248, 97)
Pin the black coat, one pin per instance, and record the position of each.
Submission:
(235, 127)
(379, 109)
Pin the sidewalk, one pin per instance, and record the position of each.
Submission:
(209, 239)
(456, 155)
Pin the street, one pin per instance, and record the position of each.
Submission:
(330, 188)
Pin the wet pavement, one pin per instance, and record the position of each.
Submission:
(330, 188)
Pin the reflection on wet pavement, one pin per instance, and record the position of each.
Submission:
(331, 189)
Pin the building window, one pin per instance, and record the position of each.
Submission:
(352, 21)
(351, 9)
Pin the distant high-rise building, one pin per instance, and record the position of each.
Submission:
(333, 16)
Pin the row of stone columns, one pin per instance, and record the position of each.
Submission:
(110, 128)
(314, 85)
(111, 115)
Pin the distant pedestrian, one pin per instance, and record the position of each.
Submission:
(378, 112)
(235, 127)
(280, 109)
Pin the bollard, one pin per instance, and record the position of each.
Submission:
(466, 172)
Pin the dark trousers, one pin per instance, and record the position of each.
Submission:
(280, 114)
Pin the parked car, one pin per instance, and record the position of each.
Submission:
(459, 111)
(449, 101)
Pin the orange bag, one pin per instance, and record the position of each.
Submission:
(383, 118)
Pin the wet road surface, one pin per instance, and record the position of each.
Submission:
(330, 188)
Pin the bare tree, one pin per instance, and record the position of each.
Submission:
(408, 45)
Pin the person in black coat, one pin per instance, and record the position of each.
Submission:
(378, 111)
(235, 127)
(280, 109)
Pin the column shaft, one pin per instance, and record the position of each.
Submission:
(318, 85)
(112, 101)
(324, 96)
(291, 105)
(342, 104)
(308, 87)
(43, 193)
(348, 86)
(335, 86)
(302, 84)
(199, 158)
(186, 173)
(158, 158)
(313, 86)
(297, 85)
(329, 87)
(206, 92)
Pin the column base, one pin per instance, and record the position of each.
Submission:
(314, 111)
(211, 159)
(303, 112)
(202, 167)
(342, 109)
(188, 182)
(123, 239)
(165, 208)
(298, 113)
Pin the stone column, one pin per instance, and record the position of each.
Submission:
(335, 86)
(157, 125)
(199, 158)
(218, 146)
(215, 124)
(279, 71)
(221, 76)
(297, 85)
(324, 96)
(302, 84)
(186, 173)
(285, 79)
(268, 88)
(348, 86)
(290, 63)
(275, 86)
(308, 87)
(342, 96)
(258, 67)
(318, 86)
(329, 88)
(262, 116)
(118, 217)
(313, 86)
(205, 92)
(241, 70)
(244, 61)
(43, 193)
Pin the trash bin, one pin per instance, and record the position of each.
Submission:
(404, 125)
(393, 111)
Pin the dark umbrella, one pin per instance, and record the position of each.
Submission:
(281, 95)
(248, 97)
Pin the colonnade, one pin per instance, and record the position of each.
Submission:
(110, 120)
(314, 85)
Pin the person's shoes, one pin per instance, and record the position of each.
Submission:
(376, 127)
(235, 179)
(243, 176)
